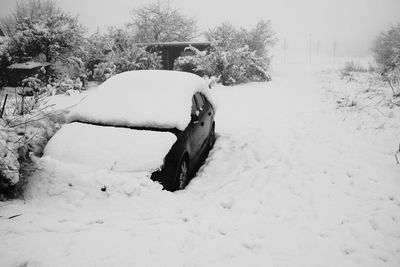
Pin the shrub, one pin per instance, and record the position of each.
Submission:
(104, 70)
(41, 27)
(233, 66)
(5, 60)
(64, 84)
(236, 55)
(114, 52)
(199, 63)
(387, 49)
(351, 66)
(22, 137)
(136, 58)
(387, 54)
(260, 39)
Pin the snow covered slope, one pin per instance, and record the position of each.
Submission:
(285, 185)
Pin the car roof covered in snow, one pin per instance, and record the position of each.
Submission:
(142, 98)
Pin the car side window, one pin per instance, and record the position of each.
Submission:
(200, 101)
(204, 99)
(194, 106)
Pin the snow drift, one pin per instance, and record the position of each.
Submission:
(120, 149)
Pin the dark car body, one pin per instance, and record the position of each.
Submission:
(191, 146)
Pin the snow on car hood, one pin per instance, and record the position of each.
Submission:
(97, 148)
(144, 98)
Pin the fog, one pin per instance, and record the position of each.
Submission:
(353, 24)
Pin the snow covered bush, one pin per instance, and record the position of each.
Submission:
(22, 138)
(40, 27)
(349, 68)
(25, 128)
(233, 66)
(39, 30)
(137, 58)
(198, 63)
(33, 85)
(393, 79)
(387, 55)
(115, 52)
(71, 67)
(103, 71)
(260, 39)
(65, 84)
(4, 61)
(387, 48)
(236, 55)
(352, 66)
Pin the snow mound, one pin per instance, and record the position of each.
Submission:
(144, 98)
(88, 161)
(110, 148)
(75, 183)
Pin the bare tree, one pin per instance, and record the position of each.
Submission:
(158, 22)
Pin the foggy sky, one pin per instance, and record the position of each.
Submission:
(352, 23)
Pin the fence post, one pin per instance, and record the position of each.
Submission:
(4, 106)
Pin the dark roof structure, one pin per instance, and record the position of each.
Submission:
(17, 72)
(27, 65)
(178, 44)
(172, 50)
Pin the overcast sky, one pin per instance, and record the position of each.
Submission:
(353, 23)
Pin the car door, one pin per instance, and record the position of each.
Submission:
(195, 132)
(204, 122)
(208, 114)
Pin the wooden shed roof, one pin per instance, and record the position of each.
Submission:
(27, 65)
(177, 44)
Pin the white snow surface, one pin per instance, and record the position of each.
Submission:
(148, 98)
(286, 184)
(109, 148)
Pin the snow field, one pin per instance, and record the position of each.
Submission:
(286, 184)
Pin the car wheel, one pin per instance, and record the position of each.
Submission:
(182, 174)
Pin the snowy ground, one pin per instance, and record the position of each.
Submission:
(287, 184)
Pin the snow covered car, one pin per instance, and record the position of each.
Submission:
(155, 123)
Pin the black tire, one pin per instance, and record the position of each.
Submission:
(182, 174)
